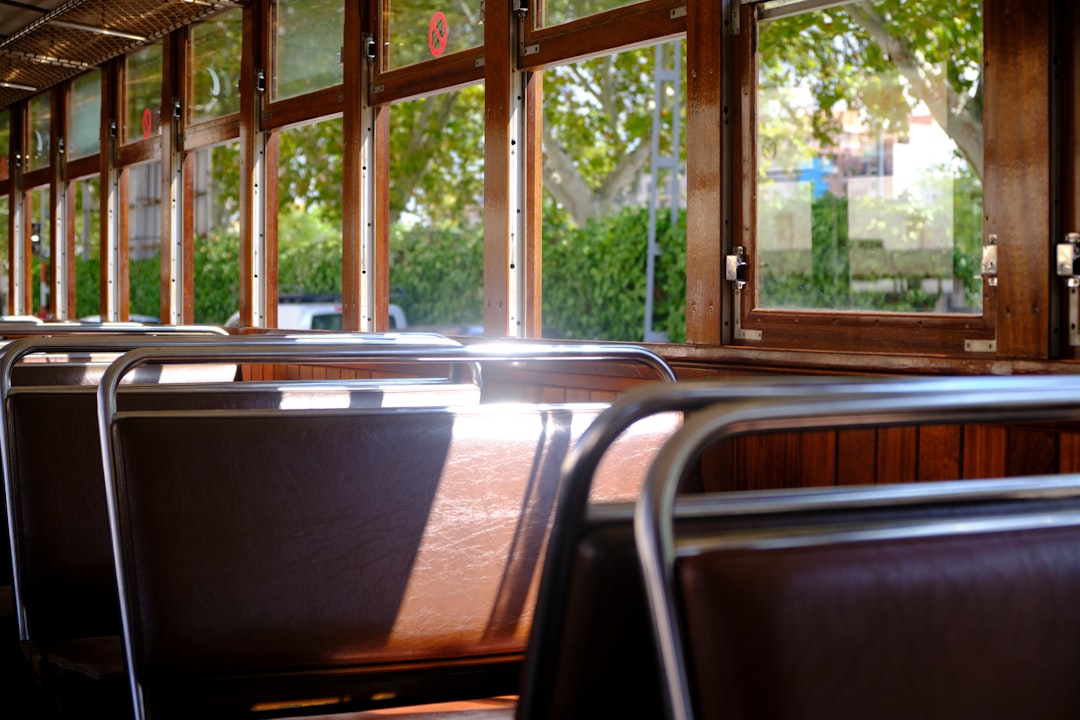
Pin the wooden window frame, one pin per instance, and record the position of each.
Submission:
(1009, 325)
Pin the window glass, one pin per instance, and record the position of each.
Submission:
(39, 213)
(609, 197)
(5, 277)
(84, 123)
(215, 66)
(144, 239)
(436, 210)
(87, 247)
(422, 30)
(142, 82)
(217, 233)
(308, 35)
(5, 142)
(869, 154)
(560, 11)
(40, 122)
(309, 216)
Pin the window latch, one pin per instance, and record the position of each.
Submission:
(1068, 259)
(990, 260)
(369, 46)
(736, 268)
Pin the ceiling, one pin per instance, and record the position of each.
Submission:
(44, 42)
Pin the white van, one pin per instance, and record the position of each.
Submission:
(317, 315)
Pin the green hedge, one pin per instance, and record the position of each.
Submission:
(594, 277)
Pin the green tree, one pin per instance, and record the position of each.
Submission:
(884, 57)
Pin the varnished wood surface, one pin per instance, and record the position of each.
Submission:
(708, 123)
(1017, 184)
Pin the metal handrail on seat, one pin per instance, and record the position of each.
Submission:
(687, 397)
(322, 348)
(75, 338)
(978, 400)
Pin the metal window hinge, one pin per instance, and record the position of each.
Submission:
(1068, 259)
(990, 260)
(736, 268)
(260, 80)
(369, 46)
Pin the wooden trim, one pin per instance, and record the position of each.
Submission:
(212, 132)
(58, 115)
(707, 125)
(1017, 193)
(433, 76)
(123, 291)
(28, 249)
(622, 28)
(533, 247)
(69, 284)
(143, 151)
(172, 84)
(270, 199)
(82, 168)
(37, 178)
(109, 107)
(1068, 25)
(701, 362)
(382, 218)
(252, 58)
(352, 188)
(312, 107)
(498, 108)
(188, 274)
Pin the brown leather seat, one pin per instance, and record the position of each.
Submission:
(367, 557)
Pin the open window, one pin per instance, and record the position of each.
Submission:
(862, 214)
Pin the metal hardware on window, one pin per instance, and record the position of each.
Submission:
(176, 108)
(736, 268)
(1068, 260)
(990, 260)
(260, 81)
(60, 146)
(112, 129)
(369, 46)
(521, 7)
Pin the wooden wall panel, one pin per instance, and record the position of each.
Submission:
(897, 457)
(983, 451)
(818, 463)
(940, 452)
(1031, 451)
(1069, 452)
(856, 457)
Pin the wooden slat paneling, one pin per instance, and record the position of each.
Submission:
(940, 452)
(897, 457)
(856, 457)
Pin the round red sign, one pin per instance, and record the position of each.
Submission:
(438, 34)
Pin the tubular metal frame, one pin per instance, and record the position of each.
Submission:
(974, 401)
(390, 347)
(90, 339)
(638, 403)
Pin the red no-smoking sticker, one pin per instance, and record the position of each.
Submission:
(147, 123)
(438, 34)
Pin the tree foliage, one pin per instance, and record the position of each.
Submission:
(884, 57)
